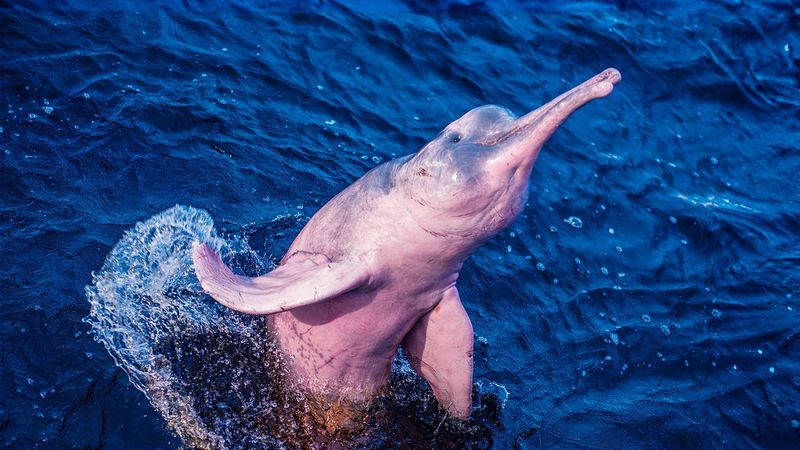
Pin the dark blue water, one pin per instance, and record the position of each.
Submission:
(670, 318)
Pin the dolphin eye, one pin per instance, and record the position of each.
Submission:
(455, 138)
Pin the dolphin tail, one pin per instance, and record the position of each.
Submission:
(295, 283)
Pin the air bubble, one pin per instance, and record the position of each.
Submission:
(665, 330)
(575, 222)
(646, 318)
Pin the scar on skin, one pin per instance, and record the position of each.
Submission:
(422, 172)
(433, 233)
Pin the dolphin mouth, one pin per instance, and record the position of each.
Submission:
(537, 126)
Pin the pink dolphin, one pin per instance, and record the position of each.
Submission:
(376, 267)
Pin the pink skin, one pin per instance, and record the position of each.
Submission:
(376, 267)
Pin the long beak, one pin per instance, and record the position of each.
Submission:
(532, 130)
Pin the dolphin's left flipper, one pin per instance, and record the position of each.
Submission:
(439, 347)
(299, 281)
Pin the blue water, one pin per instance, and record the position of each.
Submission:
(670, 318)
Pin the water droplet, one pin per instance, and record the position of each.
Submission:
(686, 362)
(714, 161)
(771, 370)
(48, 109)
(30, 381)
(646, 318)
(330, 122)
(319, 86)
(621, 275)
(224, 49)
(86, 95)
(611, 231)
(715, 313)
(508, 249)
(618, 249)
(735, 367)
(614, 338)
(576, 222)
(665, 330)
(376, 159)
(795, 424)
(604, 270)
(553, 229)
(32, 116)
(673, 219)
(577, 261)
(540, 267)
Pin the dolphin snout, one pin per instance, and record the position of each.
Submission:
(611, 75)
(601, 84)
(532, 130)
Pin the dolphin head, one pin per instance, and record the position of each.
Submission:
(472, 179)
